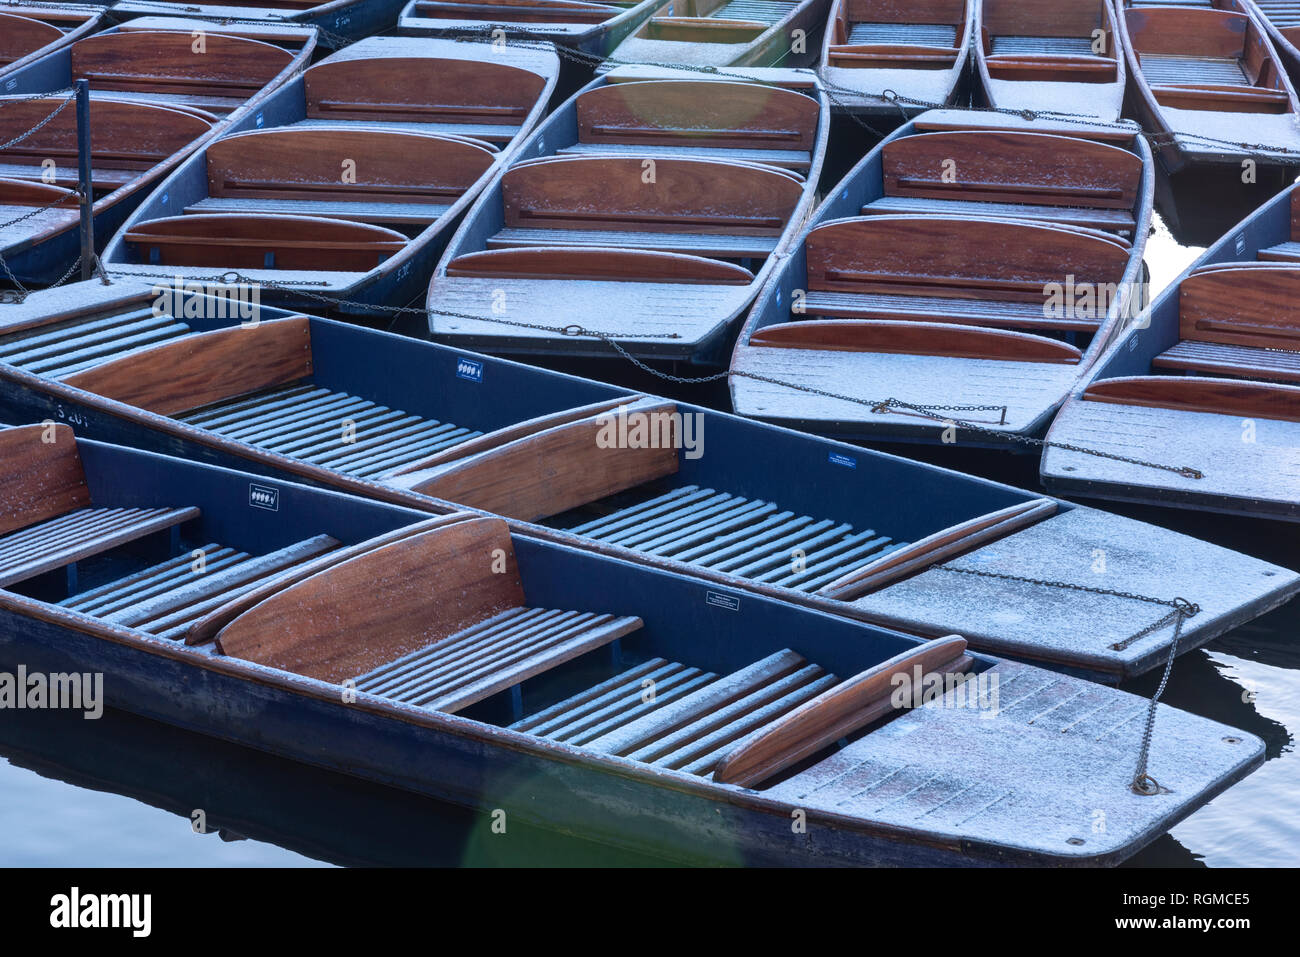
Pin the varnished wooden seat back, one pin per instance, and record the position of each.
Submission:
(383, 603)
(596, 265)
(572, 462)
(519, 11)
(163, 61)
(234, 241)
(1247, 305)
(123, 135)
(1012, 167)
(672, 195)
(344, 165)
(1087, 21)
(40, 475)
(421, 90)
(20, 36)
(197, 370)
(697, 113)
(955, 258)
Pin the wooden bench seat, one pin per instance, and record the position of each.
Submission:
(976, 272)
(915, 338)
(1239, 319)
(899, 57)
(127, 138)
(417, 213)
(344, 173)
(480, 98)
(786, 159)
(1053, 68)
(667, 118)
(689, 205)
(717, 245)
(1014, 167)
(226, 72)
(1111, 220)
(572, 262)
(234, 241)
(489, 135)
(519, 11)
(438, 628)
(1231, 397)
(165, 599)
(47, 517)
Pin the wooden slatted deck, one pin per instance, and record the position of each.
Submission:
(1193, 71)
(1066, 46)
(491, 656)
(66, 347)
(1216, 358)
(696, 719)
(307, 422)
(905, 34)
(1282, 13)
(749, 538)
(165, 599)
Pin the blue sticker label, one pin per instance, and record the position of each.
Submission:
(469, 369)
(719, 600)
(264, 496)
(839, 458)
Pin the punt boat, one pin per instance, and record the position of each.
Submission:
(343, 190)
(971, 267)
(1050, 57)
(1209, 375)
(456, 658)
(339, 21)
(648, 208)
(593, 27)
(1208, 84)
(158, 93)
(28, 31)
(891, 59)
(742, 504)
(722, 33)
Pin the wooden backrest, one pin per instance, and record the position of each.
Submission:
(421, 90)
(20, 36)
(264, 242)
(1235, 397)
(1043, 18)
(1010, 166)
(296, 163)
(387, 602)
(1184, 31)
(123, 135)
(936, 256)
(1249, 305)
(915, 338)
(199, 369)
(615, 265)
(906, 11)
(166, 61)
(19, 192)
(560, 468)
(519, 11)
(698, 113)
(40, 475)
(685, 195)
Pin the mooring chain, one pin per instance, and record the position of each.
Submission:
(1180, 610)
(57, 110)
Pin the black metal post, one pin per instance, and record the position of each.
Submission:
(83, 170)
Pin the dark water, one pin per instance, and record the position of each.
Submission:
(122, 791)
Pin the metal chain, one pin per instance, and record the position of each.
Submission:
(22, 136)
(1143, 783)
